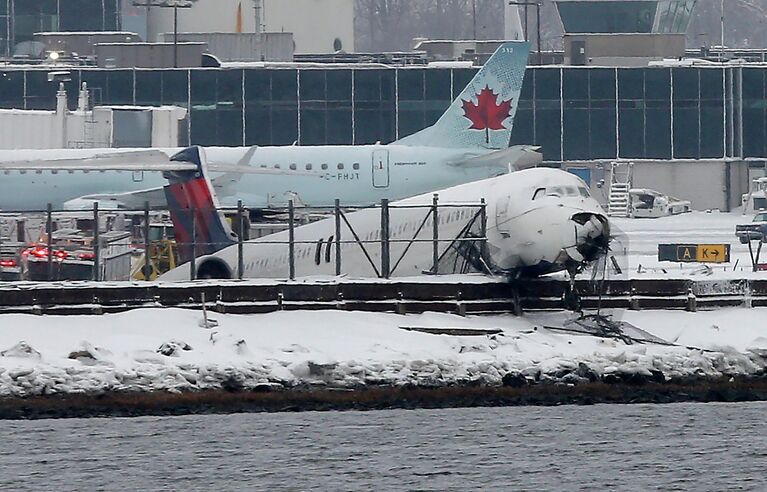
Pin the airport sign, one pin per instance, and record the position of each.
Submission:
(694, 253)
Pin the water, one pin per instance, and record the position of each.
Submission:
(626, 447)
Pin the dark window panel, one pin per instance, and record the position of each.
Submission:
(148, 87)
(229, 87)
(686, 133)
(437, 83)
(258, 126)
(430, 117)
(547, 83)
(711, 131)
(388, 89)
(387, 126)
(411, 84)
(685, 84)
(175, 87)
(658, 133)
(410, 121)
(284, 127)
(204, 130)
(631, 128)
(754, 136)
(461, 78)
(312, 85)
(367, 127)
(711, 84)
(313, 130)
(602, 134)
(228, 127)
(258, 86)
(41, 94)
(528, 86)
(97, 85)
(339, 127)
(284, 85)
(753, 83)
(657, 83)
(119, 87)
(12, 89)
(576, 134)
(523, 131)
(575, 83)
(548, 134)
(631, 83)
(367, 85)
(204, 87)
(339, 85)
(602, 84)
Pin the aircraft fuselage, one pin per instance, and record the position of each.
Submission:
(312, 176)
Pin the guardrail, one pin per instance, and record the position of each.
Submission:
(406, 296)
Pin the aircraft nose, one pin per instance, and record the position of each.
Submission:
(592, 236)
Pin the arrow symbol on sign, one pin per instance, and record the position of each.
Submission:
(715, 253)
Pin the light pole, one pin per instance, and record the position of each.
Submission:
(537, 23)
(168, 4)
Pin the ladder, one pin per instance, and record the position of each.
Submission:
(619, 204)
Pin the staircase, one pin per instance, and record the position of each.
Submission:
(619, 204)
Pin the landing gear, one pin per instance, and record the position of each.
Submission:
(571, 298)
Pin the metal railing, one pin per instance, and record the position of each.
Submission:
(392, 247)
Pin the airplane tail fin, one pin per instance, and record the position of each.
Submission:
(483, 114)
(200, 228)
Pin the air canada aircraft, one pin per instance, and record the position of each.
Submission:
(538, 221)
(470, 141)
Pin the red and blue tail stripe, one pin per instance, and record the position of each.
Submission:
(200, 228)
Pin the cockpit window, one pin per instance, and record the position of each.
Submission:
(571, 191)
(539, 193)
(555, 191)
(584, 191)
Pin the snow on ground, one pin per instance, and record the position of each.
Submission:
(642, 237)
(50, 354)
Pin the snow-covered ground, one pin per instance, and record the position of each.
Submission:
(48, 354)
(642, 237)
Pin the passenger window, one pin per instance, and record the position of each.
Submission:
(340, 166)
(276, 166)
(327, 249)
(293, 167)
(539, 193)
(324, 167)
(356, 166)
(318, 253)
(308, 167)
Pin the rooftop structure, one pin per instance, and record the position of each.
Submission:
(623, 32)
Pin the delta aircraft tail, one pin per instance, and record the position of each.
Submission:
(483, 114)
(200, 228)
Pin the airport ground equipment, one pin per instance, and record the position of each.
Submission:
(754, 232)
(619, 204)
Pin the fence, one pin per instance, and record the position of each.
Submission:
(462, 239)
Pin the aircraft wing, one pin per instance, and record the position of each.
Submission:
(140, 160)
(514, 158)
(143, 160)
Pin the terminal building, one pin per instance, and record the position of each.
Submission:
(693, 129)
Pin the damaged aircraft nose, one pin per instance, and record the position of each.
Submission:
(592, 236)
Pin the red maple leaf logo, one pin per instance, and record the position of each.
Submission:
(487, 114)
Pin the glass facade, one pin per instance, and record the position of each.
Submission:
(20, 19)
(573, 113)
(629, 16)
